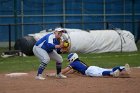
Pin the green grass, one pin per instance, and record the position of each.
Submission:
(107, 60)
(113, 59)
(31, 63)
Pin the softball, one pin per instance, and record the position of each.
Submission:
(66, 44)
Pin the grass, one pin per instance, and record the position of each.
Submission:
(113, 59)
(108, 60)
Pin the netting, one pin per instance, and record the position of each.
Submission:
(35, 15)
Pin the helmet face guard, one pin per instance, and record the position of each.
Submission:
(72, 57)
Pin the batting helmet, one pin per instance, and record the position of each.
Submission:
(72, 57)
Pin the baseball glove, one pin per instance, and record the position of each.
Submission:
(65, 46)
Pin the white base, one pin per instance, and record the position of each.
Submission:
(16, 74)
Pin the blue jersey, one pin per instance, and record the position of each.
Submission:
(79, 66)
(48, 42)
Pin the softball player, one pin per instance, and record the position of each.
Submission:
(77, 65)
(45, 49)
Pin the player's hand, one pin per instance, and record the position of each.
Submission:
(51, 74)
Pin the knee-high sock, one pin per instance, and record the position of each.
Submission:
(106, 73)
(120, 68)
(41, 68)
(58, 67)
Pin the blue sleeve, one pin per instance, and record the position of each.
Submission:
(52, 46)
(71, 65)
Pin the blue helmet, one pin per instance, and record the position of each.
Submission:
(72, 57)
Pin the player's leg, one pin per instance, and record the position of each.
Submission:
(126, 71)
(122, 70)
(127, 68)
(44, 58)
(116, 71)
(58, 58)
(107, 73)
(97, 71)
(55, 56)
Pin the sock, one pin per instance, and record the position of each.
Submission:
(58, 67)
(41, 68)
(120, 68)
(106, 73)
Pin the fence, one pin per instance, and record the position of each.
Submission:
(31, 16)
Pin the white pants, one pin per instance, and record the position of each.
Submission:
(45, 57)
(95, 71)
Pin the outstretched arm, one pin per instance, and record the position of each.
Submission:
(70, 71)
(66, 70)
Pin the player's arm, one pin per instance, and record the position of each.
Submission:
(71, 71)
(66, 70)
(51, 44)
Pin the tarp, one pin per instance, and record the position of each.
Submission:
(99, 41)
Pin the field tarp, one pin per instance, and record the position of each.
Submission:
(98, 41)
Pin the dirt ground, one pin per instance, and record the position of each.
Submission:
(73, 84)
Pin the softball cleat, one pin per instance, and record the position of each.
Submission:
(61, 76)
(127, 68)
(39, 77)
(116, 73)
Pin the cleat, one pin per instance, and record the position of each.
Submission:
(61, 76)
(39, 77)
(116, 73)
(126, 72)
(127, 68)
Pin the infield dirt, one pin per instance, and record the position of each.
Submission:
(73, 84)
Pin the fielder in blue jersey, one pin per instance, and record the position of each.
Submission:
(45, 49)
(75, 64)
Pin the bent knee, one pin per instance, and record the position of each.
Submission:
(45, 60)
(60, 60)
